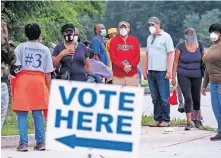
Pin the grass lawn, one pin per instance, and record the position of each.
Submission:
(10, 126)
(147, 120)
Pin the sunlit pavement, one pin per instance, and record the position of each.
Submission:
(155, 142)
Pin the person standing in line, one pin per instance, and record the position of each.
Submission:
(188, 67)
(72, 56)
(112, 32)
(32, 86)
(98, 45)
(212, 59)
(158, 70)
(125, 56)
(7, 61)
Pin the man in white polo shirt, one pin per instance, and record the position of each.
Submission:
(158, 70)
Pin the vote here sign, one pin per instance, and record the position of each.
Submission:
(103, 118)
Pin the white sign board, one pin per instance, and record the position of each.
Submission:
(103, 118)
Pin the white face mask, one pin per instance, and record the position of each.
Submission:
(214, 37)
(75, 39)
(123, 32)
(152, 29)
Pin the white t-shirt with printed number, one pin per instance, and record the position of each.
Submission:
(34, 56)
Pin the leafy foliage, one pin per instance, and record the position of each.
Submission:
(175, 16)
(50, 15)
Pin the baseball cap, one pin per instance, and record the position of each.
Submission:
(124, 23)
(153, 20)
(111, 30)
(67, 27)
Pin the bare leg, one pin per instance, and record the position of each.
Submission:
(196, 114)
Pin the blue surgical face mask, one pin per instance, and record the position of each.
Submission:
(190, 39)
(103, 32)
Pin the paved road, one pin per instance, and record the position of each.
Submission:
(206, 109)
(155, 143)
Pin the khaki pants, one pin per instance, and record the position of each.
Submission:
(126, 81)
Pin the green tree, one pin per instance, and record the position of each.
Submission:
(207, 19)
(51, 15)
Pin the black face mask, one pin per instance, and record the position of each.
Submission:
(79, 40)
(69, 37)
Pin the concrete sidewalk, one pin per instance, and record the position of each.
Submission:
(155, 143)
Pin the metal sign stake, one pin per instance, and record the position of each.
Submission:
(89, 156)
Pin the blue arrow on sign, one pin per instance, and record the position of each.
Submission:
(73, 141)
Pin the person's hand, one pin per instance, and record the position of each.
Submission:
(203, 90)
(173, 82)
(96, 57)
(67, 52)
(145, 73)
(168, 75)
(127, 68)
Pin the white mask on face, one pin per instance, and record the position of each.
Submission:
(152, 29)
(75, 39)
(123, 32)
(214, 37)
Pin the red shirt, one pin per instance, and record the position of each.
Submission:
(121, 50)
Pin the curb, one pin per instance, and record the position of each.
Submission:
(13, 141)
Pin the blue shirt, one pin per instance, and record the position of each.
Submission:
(190, 62)
(158, 48)
(75, 64)
(98, 46)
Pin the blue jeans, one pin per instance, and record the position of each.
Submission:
(215, 90)
(160, 92)
(38, 123)
(4, 102)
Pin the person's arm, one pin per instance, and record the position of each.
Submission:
(56, 56)
(136, 58)
(95, 46)
(202, 49)
(170, 54)
(87, 65)
(145, 66)
(206, 79)
(48, 69)
(176, 63)
(57, 59)
(115, 60)
(48, 81)
(170, 62)
(18, 55)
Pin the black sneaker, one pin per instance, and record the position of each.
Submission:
(216, 137)
(181, 110)
(22, 147)
(189, 126)
(197, 123)
(40, 147)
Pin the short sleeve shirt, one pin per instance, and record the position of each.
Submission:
(34, 56)
(158, 48)
(98, 46)
(76, 63)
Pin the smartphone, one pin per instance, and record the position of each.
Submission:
(125, 62)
